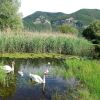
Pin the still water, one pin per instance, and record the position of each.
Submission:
(22, 88)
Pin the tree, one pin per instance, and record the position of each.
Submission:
(68, 29)
(9, 17)
(92, 31)
(88, 33)
(95, 26)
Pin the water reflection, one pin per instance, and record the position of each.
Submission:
(21, 88)
(8, 89)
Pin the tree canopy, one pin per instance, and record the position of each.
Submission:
(95, 26)
(9, 17)
(92, 30)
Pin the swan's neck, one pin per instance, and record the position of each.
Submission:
(13, 68)
(44, 79)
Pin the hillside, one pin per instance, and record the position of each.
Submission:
(86, 16)
(47, 20)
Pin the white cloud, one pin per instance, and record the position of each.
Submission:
(66, 6)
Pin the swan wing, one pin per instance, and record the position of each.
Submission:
(6, 67)
(37, 78)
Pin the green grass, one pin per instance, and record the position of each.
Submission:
(44, 43)
(2, 75)
(33, 55)
(88, 72)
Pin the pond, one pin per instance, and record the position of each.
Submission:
(22, 88)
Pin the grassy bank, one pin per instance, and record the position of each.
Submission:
(44, 43)
(33, 55)
(2, 75)
(88, 72)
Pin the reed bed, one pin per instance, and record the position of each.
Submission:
(88, 72)
(44, 43)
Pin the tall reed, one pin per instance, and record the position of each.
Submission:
(44, 43)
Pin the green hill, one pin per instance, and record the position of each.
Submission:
(47, 20)
(86, 16)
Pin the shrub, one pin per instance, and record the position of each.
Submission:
(68, 29)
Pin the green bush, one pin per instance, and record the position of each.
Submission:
(92, 32)
(2, 75)
(68, 29)
(88, 33)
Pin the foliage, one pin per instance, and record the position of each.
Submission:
(92, 32)
(88, 33)
(44, 43)
(68, 29)
(9, 17)
(8, 88)
(2, 75)
(88, 72)
(97, 51)
(95, 26)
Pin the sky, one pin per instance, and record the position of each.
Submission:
(66, 6)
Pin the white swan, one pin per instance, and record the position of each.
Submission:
(8, 68)
(21, 73)
(37, 78)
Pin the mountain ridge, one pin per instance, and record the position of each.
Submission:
(83, 17)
